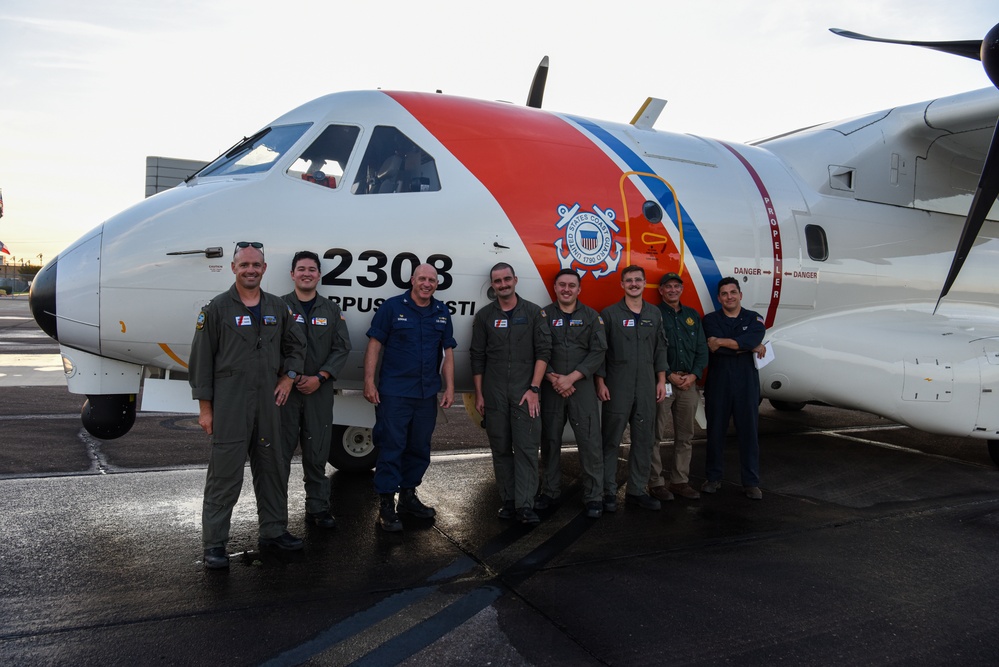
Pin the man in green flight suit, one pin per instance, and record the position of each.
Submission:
(510, 349)
(578, 346)
(245, 356)
(307, 417)
(632, 381)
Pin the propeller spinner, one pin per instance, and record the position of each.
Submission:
(988, 184)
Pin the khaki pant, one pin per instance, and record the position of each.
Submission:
(682, 406)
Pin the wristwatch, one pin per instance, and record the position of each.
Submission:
(322, 378)
(292, 374)
(535, 388)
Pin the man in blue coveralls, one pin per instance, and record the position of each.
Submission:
(732, 389)
(412, 333)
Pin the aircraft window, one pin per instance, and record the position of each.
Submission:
(393, 163)
(653, 212)
(323, 161)
(256, 154)
(816, 243)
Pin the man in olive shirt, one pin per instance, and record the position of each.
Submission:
(632, 381)
(568, 392)
(307, 417)
(687, 353)
(510, 349)
(245, 356)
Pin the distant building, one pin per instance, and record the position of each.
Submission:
(163, 173)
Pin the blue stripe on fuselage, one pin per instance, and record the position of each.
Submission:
(691, 234)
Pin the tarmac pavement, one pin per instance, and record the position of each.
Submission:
(874, 544)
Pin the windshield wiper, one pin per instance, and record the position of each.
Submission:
(236, 148)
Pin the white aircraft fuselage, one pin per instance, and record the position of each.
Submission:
(839, 235)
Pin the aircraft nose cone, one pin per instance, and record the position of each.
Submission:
(42, 299)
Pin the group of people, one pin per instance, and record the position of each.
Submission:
(633, 366)
(263, 368)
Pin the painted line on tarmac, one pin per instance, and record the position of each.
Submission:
(423, 634)
(351, 626)
(426, 632)
(908, 450)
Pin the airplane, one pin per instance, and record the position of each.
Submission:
(844, 236)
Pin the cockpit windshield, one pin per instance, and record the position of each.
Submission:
(256, 154)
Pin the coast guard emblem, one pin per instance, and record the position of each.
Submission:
(588, 241)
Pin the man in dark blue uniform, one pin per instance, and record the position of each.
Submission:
(413, 335)
(732, 389)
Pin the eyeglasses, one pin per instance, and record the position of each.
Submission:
(249, 244)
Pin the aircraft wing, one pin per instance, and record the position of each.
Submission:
(926, 156)
(937, 373)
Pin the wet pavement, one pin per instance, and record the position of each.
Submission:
(874, 544)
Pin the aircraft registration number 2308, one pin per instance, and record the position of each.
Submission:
(375, 275)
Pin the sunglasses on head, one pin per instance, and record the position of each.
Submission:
(249, 244)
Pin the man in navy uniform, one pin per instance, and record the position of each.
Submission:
(734, 335)
(413, 335)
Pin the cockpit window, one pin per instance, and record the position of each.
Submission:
(256, 154)
(323, 161)
(393, 163)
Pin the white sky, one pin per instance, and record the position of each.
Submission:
(89, 89)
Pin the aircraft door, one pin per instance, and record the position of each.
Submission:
(653, 233)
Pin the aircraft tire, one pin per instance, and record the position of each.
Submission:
(351, 449)
(786, 406)
(994, 451)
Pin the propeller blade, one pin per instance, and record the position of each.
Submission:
(538, 85)
(969, 48)
(985, 197)
(987, 51)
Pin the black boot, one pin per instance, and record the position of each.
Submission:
(387, 518)
(411, 505)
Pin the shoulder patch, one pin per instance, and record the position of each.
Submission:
(200, 324)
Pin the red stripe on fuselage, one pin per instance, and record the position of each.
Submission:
(533, 162)
(774, 225)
